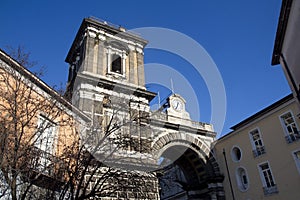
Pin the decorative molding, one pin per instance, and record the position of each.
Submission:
(93, 32)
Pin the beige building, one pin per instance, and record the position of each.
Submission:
(260, 158)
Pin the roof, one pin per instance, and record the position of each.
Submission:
(281, 29)
(258, 115)
(40, 83)
(109, 27)
(263, 112)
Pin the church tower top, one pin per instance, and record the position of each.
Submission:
(94, 25)
(107, 53)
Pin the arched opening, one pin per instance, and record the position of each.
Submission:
(188, 176)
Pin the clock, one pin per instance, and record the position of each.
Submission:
(177, 105)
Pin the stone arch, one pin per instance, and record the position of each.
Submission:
(167, 138)
(197, 163)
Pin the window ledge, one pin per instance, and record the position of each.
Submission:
(270, 190)
(116, 75)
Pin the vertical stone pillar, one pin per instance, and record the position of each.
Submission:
(101, 65)
(95, 59)
(140, 68)
(89, 55)
(131, 67)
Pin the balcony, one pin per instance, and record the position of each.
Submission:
(45, 163)
(292, 138)
(44, 169)
(270, 190)
(259, 151)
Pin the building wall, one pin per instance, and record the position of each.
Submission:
(291, 46)
(287, 44)
(24, 101)
(278, 153)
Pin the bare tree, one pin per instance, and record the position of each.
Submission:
(75, 163)
(28, 114)
(98, 167)
(22, 56)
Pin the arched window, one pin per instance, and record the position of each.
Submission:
(116, 53)
(242, 179)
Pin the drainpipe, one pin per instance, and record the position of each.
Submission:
(230, 183)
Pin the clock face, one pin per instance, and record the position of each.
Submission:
(177, 104)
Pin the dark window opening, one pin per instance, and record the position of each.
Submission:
(238, 153)
(116, 64)
(245, 180)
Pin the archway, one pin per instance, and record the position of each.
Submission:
(189, 170)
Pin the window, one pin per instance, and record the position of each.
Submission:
(267, 179)
(45, 135)
(116, 61)
(44, 144)
(242, 179)
(290, 127)
(236, 154)
(257, 143)
(296, 155)
(116, 64)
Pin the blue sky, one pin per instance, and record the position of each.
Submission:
(238, 35)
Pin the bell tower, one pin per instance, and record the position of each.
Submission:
(107, 82)
(106, 61)
(103, 50)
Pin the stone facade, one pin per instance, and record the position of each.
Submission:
(107, 82)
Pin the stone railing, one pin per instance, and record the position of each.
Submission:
(259, 151)
(270, 190)
(194, 124)
(292, 137)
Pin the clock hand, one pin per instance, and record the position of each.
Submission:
(176, 106)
